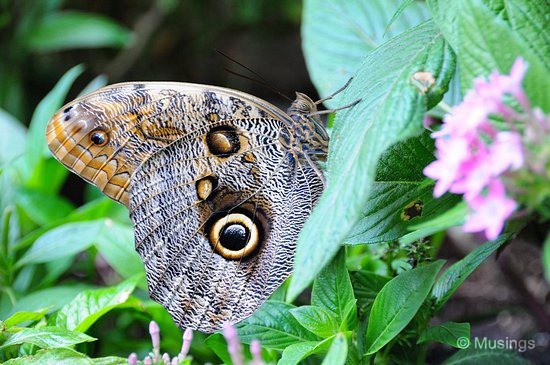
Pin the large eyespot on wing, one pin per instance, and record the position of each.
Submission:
(217, 231)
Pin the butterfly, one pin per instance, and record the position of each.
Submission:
(218, 184)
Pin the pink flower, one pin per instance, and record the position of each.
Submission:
(154, 331)
(186, 344)
(488, 213)
(451, 154)
(472, 153)
(233, 344)
(506, 152)
(475, 174)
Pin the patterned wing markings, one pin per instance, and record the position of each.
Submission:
(230, 172)
(218, 182)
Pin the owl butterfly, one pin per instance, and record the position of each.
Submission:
(218, 184)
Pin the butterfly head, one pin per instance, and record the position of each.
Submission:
(308, 126)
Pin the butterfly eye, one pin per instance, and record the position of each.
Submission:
(99, 137)
(234, 236)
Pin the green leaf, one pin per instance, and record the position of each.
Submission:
(216, 342)
(96, 83)
(397, 303)
(404, 5)
(90, 305)
(20, 317)
(12, 138)
(36, 142)
(529, 20)
(297, 352)
(113, 240)
(116, 245)
(274, 327)
(338, 34)
(401, 196)
(66, 30)
(41, 207)
(48, 176)
(496, 48)
(546, 258)
(391, 111)
(444, 13)
(56, 356)
(455, 275)
(366, 286)
(337, 352)
(110, 360)
(93, 210)
(47, 337)
(451, 218)
(51, 298)
(332, 290)
(449, 333)
(473, 356)
(66, 240)
(316, 319)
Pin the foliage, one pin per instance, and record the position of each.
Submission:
(70, 279)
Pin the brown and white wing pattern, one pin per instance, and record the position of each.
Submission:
(217, 233)
(218, 184)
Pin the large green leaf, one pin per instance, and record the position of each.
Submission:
(12, 148)
(472, 356)
(497, 45)
(19, 317)
(391, 110)
(337, 352)
(397, 303)
(51, 298)
(65, 30)
(90, 305)
(12, 138)
(274, 327)
(295, 353)
(318, 320)
(93, 210)
(455, 275)
(332, 290)
(500, 32)
(47, 337)
(42, 207)
(113, 240)
(36, 143)
(451, 333)
(55, 356)
(529, 20)
(338, 34)
(401, 195)
(66, 240)
(116, 245)
(451, 218)
(366, 286)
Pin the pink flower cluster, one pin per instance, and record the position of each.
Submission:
(473, 155)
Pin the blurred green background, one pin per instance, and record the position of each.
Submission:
(147, 40)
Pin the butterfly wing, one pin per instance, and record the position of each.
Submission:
(217, 232)
(217, 183)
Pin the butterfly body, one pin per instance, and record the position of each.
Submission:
(218, 184)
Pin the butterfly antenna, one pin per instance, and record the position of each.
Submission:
(335, 93)
(260, 80)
